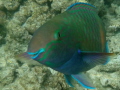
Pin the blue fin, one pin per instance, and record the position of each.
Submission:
(68, 79)
(83, 80)
(78, 4)
(94, 58)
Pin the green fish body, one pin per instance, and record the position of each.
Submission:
(71, 43)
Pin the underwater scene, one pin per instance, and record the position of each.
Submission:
(59, 44)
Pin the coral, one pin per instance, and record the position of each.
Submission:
(2, 18)
(58, 6)
(11, 4)
(41, 1)
(1, 5)
(38, 78)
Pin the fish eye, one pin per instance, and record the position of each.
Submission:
(57, 35)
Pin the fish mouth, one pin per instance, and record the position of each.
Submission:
(34, 55)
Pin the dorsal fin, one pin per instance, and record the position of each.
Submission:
(80, 3)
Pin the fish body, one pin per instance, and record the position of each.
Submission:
(71, 43)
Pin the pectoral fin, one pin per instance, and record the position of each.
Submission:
(94, 59)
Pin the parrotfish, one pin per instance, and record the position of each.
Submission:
(72, 43)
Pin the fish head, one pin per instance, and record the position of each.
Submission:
(51, 45)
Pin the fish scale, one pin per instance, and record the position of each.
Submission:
(82, 13)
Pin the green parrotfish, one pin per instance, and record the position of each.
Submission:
(72, 43)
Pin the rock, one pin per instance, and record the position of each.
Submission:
(1, 5)
(41, 1)
(12, 4)
(2, 17)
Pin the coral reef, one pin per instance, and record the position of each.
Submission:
(18, 21)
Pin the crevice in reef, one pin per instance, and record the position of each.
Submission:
(108, 2)
(15, 76)
(49, 3)
(102, 12)
(57, 12)
(112, 71)
(20, 63)
(22, 2)
(2, 34)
